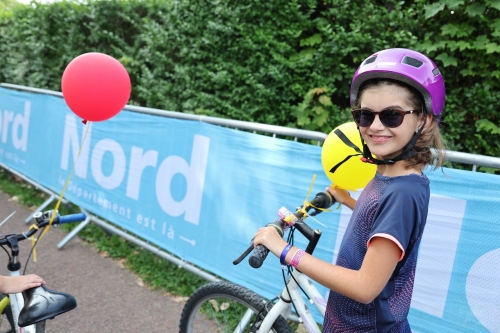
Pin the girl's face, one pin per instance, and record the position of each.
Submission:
(386, 142)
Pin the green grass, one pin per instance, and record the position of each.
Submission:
(154, 271)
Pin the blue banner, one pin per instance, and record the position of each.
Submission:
(201, 191)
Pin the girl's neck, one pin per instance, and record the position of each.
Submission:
(397, 169)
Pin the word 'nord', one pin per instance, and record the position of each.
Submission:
(138, 160)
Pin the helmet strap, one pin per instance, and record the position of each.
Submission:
(405, 154)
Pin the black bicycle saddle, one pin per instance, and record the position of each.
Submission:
(41, 303)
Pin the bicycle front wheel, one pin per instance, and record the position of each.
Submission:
(226, 307)
(6, 319)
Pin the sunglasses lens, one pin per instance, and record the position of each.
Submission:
(388, 117)
(391, 118)
(363, 117)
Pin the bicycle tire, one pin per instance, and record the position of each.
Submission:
(216, 298)
(6, 326)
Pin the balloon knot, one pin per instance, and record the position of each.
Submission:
(84, 122)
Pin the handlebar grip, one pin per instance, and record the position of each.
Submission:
(72, 218)
(258, 256)
(260, 253)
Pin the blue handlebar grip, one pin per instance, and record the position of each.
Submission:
(72, 218)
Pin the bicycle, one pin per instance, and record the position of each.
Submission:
(229, 307)
(28, 311)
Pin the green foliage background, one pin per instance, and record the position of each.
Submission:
(279, 62)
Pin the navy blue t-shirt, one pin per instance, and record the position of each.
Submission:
(394, 208)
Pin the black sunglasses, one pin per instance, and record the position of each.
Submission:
(388, 117)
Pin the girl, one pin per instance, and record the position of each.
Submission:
(397, 97)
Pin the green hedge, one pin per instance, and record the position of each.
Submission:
(279, 62)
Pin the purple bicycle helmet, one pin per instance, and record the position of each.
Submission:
(411, 68)
(407, 66)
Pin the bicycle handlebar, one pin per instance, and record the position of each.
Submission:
(42, 220)
(260, 253)
(322, 200)
(72, 218)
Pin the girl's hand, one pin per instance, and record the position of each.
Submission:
(270, 238)
(342, 196)
(17, 284)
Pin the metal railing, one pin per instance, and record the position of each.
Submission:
(451, 156)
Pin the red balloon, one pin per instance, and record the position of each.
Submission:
(95, 86)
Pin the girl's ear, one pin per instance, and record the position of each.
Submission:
(428, 120)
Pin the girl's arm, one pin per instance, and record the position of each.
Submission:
(17, 284)
(361, 285)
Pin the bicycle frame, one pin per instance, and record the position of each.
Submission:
(293, 293)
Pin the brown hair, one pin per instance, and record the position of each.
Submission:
(430, 136)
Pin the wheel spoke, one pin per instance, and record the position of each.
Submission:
(244, 321)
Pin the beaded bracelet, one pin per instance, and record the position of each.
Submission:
(284, 253)
(297, 256)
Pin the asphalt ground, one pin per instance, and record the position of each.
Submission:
(110, 298)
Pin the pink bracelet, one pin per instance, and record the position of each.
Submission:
(297, 256)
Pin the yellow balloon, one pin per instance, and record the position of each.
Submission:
(352, 174)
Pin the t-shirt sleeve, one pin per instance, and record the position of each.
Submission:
(397, 215)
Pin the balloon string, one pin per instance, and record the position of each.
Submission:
(61, 195)
(308, 203)
(310, 189)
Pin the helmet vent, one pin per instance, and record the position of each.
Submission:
(436, 71)
(412, 62)
(369, 60)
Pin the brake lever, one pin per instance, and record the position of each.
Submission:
(244, 254)
(315, 212)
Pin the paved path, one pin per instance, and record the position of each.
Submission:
(108, 296)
